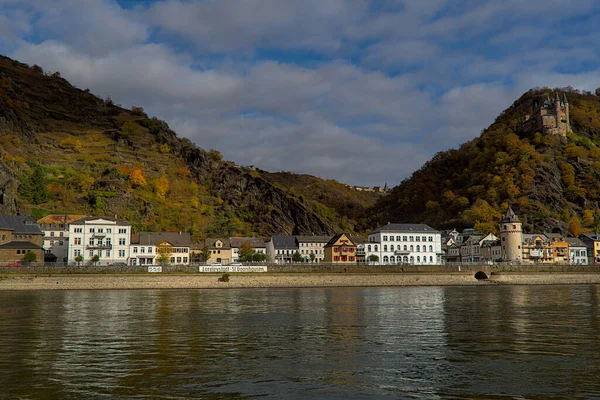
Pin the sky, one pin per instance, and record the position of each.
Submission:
(362, 91)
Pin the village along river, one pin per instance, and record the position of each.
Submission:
(524, 342)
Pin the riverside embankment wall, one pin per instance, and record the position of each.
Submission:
(313, 268)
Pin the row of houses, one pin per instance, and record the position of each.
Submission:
(515, 246)
(78, 239)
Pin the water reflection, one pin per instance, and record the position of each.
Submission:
(455, 342)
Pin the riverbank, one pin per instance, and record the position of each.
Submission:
(279, 280)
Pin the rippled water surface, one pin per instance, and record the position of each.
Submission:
(524, 342)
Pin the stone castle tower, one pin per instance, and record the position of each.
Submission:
(511, 236)
(550, 116)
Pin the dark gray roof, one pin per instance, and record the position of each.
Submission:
(284, 242)
(177, 239)
(118, 221)
(336, 238)
(313, 239)
(408, 228)
(510, 216)
(20, 224)
(20, 245)
(209, 243)
(574, 242)
(358, 239)
(237, 242)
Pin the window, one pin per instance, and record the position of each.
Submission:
(351, 258)
(92, 230)
(78, 230)
(385, 238)
(52, 243)
(107, 253)
(149, 250)
(121, 253)
(122, 230)
(101, 230)
(61, 234)
(392, 260)
(336, 258)
(392, 247)
(376, 248)
(418, 248)
(91, 242)
(135, 250)
(122, 241)
(386, 259)
(405, 259)
(51, 233)
(431, 249)
(418, 259)
(385, 247)
(18, 251)
(424, 238)
(61, 243)
(398, 238)
(431, 259)
(91, 253)
(404, 238)
(108, 230)
(77, 253)
(369, 248)
(391, 238)
(412, 238)
(178, 260)
(405, 248)
(412, 248)
(3, 237)
(142, 250)
(431, 238)
(185, 259)
(108, 241)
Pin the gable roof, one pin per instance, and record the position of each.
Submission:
(177, 239)
(59, 219)
(237, 242)
(209, 243)
(574, 242)
(284, 242)
(337, 237)
(408, 228)
(19, 224)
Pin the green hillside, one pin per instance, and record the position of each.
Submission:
(64, 150)
(552, 182)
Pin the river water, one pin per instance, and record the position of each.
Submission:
(496, 342)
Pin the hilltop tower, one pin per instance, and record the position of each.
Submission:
(511, 236)
(550, 116)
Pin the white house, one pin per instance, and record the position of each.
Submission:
(146, 248)
(314, 245)
(281, 249)
(577, 251)
(405, 244)
(105, 237)
(56, 236)
(257, 244)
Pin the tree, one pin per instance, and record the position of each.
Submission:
(95, 259)
(598, 92)
(297, 257)
(34, 185)
(373, 258)
(259, 257)
(164, 251)
(312, 257)
(137, 178)
(204, 255)
(575, 226)
(29, 256)
(78, 259)
(161, 186)
(246, 252)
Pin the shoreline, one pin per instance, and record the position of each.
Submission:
(13, 282)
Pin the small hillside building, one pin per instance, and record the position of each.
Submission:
(340, 250)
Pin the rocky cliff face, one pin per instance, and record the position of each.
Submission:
(8, 190)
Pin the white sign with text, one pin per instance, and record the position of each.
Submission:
(232, 268)
(154, 269)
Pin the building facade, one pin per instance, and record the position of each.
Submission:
(577, 251)
(56, 236)
(312, 248)
(19, 235)
(171, 248)
(550, 116)
(281, 249)
(256, 244)
(405, 244)
(103, 238)
(340, 250)
(219, 249)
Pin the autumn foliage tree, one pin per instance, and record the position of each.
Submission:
(161, 186)
(137, 177)
(164, 251)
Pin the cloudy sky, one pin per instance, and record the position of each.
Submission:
(363, 91)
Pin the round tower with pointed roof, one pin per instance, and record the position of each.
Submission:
(511, 236)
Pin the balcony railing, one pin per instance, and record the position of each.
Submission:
(99, 247)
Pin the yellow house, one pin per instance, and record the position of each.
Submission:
(220, 251)
(340, 250)
(560, 250)
(537, 248)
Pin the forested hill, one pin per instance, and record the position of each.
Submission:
(64, 150)
(551, 182)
